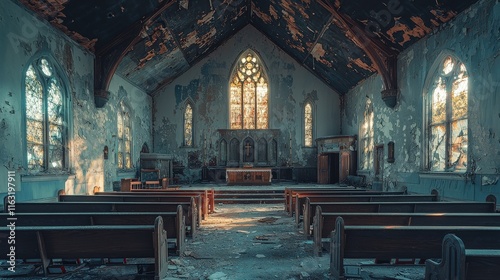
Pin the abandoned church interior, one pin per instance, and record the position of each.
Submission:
(387, 96)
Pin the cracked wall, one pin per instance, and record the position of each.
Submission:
(23, 36)
(206, 86)
(473, 37)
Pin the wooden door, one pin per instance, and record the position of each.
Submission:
(379, 162)
(323, 169)
(345, 164)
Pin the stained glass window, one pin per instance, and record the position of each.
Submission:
(124, 155)
(45, 115)
(248, 94)
(447, 127)
(308, 125)
(188, 125)
(366, 138)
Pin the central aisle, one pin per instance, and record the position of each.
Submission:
(250, 241)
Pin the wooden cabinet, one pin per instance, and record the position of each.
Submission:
(336, 158)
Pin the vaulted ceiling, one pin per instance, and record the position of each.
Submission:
(151, 42)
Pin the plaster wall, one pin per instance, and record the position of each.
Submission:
(473, 37)
(206, 84)
(24, 36)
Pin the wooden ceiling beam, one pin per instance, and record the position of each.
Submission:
(383, 58)
(109, 56)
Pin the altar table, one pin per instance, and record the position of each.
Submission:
(248, 176)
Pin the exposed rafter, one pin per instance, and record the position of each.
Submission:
(383, 58)
(109, 56)
(320, 35)
(176, 40)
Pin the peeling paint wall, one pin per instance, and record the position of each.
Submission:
(206, 84)
(474, 38)
(24, 35)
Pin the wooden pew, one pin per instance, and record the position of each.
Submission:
(189, 209)
(51, 242)
(395, 207)
(365, 197)
(388, 242)
(207, 196)
(134, 198)
(291, 191)
(459, 263)
(204, 198)
(324, 223)
(173, 222)
(299, 197)
(249, 196)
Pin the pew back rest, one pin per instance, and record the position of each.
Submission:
(460, 263)
(387, 242)
(411, 219)
(48, 242)
(189, 208)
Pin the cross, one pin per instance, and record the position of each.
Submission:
(247, 147)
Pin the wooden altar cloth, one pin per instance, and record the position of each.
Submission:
(248, 176)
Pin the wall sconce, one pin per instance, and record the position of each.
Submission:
(105, 152)
(390, 152)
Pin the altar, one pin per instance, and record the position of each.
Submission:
(248, 176)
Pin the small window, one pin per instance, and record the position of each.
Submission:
(447, 125)
(45, 118)
(188, 125)
(308, 125)
(124, 155)
(248, 94)
(366, 144)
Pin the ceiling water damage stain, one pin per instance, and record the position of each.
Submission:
(407, 33)
(361, 64)
(318, 53)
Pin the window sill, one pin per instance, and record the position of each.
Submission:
(187, 147)
(364, 172)
(308, 147)
(125, 171)
(47, 177)
(442, 175)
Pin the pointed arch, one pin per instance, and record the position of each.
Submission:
(248, 93)
(188, 124)
(248, 150)
(274, 152)
(223, 152)
(366, 144)
(308, 119)
(262, 150)
(446, 115)
(124, 124)
(234, 151)
(46, 115)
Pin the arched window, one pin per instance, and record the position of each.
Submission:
(308, 125)
(447, 113)
(45, 117)
(188, 125)
(249, 94)
(366, 144)
(124, 159)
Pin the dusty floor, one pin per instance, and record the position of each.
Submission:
(246, 242)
